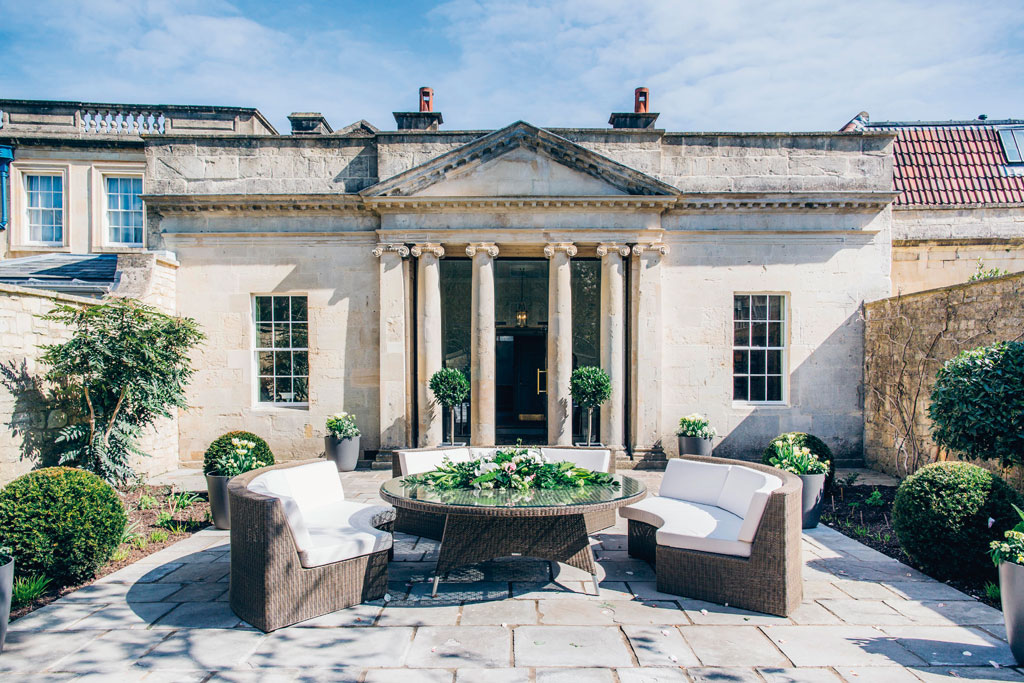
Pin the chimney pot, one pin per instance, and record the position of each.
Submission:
(642, 101)
(425, 119)
(426, 99)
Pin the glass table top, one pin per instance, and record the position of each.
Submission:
(584, 495)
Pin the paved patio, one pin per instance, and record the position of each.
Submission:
(865, 618)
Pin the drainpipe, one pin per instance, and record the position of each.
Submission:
(6, 156)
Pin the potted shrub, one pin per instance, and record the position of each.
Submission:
(695, 434)
(450, 388)
(6, 587)
(342, 442)
(812, 443)
(228, 456)
(802, 462)
(1008, 556)
(590, 386)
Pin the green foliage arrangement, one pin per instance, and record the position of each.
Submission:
(815, 445)
(342, 426)
(590, 386)
(61, 522)
(235, 453)
(983, 273)
(129, 365)
(696, 426)
(450, 388)
(947, 514)
(796, 459)
(28, 588)
(1011, 548)
(512, 468)
(977, 403)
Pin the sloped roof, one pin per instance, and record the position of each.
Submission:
(952, 163)
(83, 274)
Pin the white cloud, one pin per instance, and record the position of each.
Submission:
(783, 65)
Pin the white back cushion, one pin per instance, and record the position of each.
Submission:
(482, 453)
(415, 462)
(697, 482)
(592, 459)
(276, 485)
(746, 494)
(315, 484)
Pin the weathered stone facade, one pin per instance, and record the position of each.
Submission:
(907, 339)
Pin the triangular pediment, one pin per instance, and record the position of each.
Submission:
(520, 160)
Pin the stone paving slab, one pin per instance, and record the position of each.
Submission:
(864, 617)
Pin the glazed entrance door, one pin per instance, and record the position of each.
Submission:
(521, 398)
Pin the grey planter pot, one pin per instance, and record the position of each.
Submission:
(344, 452)
(812, 498)
(692, 445)
(6, 587)
(218, 488)
(1011, 590)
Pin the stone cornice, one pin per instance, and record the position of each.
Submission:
(396, 247)
(516, 203)
(489, 248)
(427, 248)
(168, 204)
(788, 202)
(553, 248)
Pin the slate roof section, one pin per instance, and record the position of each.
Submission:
(82, 274)
(952, 163)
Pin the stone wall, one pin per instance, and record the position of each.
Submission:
(906, 340)
(29, 426)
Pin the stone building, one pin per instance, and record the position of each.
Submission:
(721, 273)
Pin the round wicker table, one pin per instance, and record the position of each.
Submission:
(482, 525)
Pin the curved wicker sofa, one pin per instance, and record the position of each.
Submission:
(431, 525)
(270, 588)
(770, 580)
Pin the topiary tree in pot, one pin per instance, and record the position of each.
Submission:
(977, 404)
(590, 386)
(450, 388)
(228, 456)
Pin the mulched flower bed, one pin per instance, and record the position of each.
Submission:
(864, 513)
(144, 505)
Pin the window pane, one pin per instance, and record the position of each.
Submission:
(301, 388)
(281, 337)
(774, 362)
(263, 308)
(759, 334)
(774, 334)
(757, 389)
(265, 335)
(774, 389)
(739, 388)
(300, 362)
(757, 361)
(299, 308)
(266, 389)
(282, 362)
(741, 334)
(266, 359)
(741, 308)
(740, 362)
(759, 308)
(775, 307)
(300, 338)
(280, 308)
(284, 389)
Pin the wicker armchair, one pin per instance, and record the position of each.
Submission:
(770, 580)
(270, 588)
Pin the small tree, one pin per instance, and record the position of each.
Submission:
(450, 388)
(128, 364)
(590, 386)
(977, 404)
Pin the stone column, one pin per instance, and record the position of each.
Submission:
(559, 343)
(645, 354)
(482, 368)
(428, 340)
(613, 342)
(394, 421)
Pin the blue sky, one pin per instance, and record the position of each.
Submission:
(711, 65)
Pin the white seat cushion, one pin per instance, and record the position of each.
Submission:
(417, 462)
(594, 459)
(697, 482)
(745, 495)
(691, 526)
(482, 453)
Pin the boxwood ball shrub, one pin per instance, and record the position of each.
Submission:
(977, 403)
(61, 522)
(812, 443)
(941, 517)
(222, 446)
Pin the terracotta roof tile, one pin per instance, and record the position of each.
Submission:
(937, 165)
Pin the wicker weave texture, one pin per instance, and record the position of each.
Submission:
(269, 588)
(769, 581)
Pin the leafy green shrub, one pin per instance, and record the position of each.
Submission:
(61, 522)
(801, 439)
(941, 517)
(696, 426)
(222, 457)
(342, 426)
(977, 404)
(590, 386)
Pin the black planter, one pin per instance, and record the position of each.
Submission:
(219, 508)
(812, 498)
(693, 445)
(6, 587)
(344, 452)
(1011, 592)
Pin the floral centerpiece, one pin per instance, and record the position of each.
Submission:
(342, 441)
(511, 468)
(801, 461)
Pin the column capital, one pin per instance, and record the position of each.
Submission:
(606, 248)
(397, 247)
(554, 247)
(427, 248)
(489, 248)
(660, 247)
